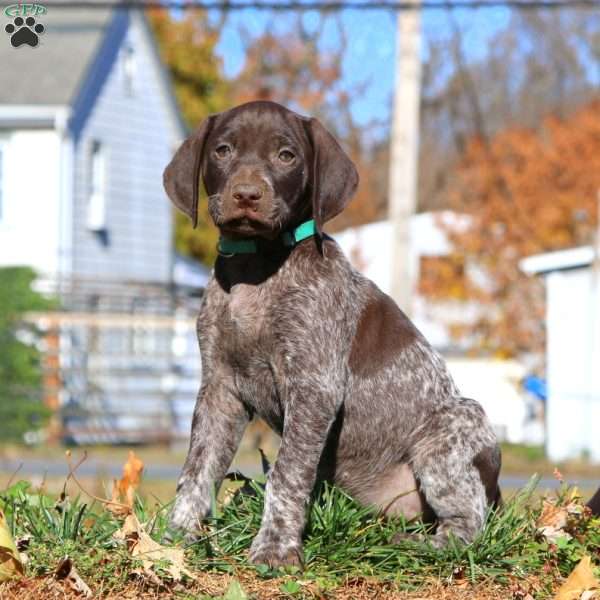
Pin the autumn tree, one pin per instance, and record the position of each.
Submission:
(540, 62)
(490, 150)
(187, 47)
(525, 191)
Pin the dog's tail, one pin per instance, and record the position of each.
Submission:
(594, 503)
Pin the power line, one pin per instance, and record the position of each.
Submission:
(325, 5)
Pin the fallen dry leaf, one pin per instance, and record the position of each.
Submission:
(123, 491)
(66, 571)
(552, 521)
(580, 581)
(143, 547)
(10, 560)
(116, 506)
(556, 518)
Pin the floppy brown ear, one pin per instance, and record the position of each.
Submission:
(334, 175)
(182, 175)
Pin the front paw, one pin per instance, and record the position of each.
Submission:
(188, 512)
(414, 538)
(275, 551)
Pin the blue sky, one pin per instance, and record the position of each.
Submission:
(371, 45)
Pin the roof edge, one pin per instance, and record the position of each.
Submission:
(98, 69)
(54, 116)
(560, 260)
(165, 76)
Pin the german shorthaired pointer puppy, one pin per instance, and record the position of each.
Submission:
(290, 332)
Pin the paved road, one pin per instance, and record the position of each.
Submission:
(98, 468)
(90, 468)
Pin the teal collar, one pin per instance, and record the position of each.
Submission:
(227, 247)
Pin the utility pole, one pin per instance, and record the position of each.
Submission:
(404, 148)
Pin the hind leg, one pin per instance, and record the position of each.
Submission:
(393, 492)
(457, 461)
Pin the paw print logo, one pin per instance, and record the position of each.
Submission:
(24, 31)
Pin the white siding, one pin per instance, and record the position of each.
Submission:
(138, 134)
(30, 225)
(573, 350)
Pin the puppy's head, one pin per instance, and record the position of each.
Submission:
(265, 169)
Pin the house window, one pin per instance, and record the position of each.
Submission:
(96, 217)
(128, 68)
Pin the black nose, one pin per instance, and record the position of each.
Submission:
(247, 195)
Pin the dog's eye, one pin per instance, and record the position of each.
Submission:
(285, 156)
(223, 151)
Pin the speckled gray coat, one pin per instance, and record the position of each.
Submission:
(301, 339)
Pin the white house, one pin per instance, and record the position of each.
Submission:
(88, 122)
(493, 382)
(573, 350)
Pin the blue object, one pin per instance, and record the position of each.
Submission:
(536, 386)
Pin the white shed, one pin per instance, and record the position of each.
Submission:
(572, 352)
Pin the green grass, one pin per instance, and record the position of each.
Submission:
(524, 451)
(342, 540)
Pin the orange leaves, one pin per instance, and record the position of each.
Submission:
(442, 277)
(527, 191)
(533, 181)
(187, 48)
(139, 543)
(123, 492)
(132, 474)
